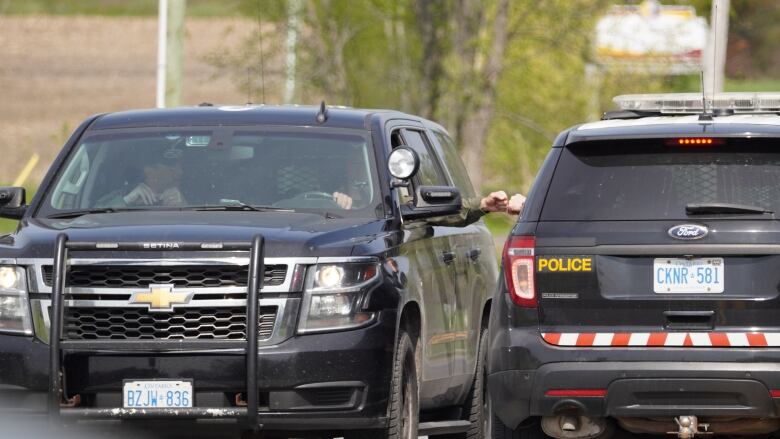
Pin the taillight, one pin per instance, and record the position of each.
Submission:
(519, 270)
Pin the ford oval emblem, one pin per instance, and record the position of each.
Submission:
(688, 231)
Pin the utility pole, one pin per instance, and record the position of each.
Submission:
(293, 13)
(715, 57)
(162, 38)
(175, 52)
(170, 50)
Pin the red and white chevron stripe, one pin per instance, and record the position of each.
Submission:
(664, 339)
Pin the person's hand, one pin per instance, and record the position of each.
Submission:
(495, 202)
(172, 197)
(142, 194)
(343, 200)
(515, 205)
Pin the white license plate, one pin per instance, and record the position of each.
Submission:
(700, 275)
(157, 394)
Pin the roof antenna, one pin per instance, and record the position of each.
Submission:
(704, 117)
(322, 115)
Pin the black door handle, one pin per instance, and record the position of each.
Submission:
(474, 253)
(447, 257)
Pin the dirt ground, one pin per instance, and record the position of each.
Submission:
(55, 71)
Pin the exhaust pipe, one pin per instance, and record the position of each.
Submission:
(573, 426)
(569, 423)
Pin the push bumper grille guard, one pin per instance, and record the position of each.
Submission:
(254, 284)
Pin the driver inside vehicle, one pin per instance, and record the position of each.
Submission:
(354, 191)
(159, 187)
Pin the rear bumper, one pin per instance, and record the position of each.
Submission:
(640, 390)
(318, 381)
(641, 382)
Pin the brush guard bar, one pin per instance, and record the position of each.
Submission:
(57, 345)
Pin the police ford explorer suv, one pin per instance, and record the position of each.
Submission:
(288, 268)
(641, 287)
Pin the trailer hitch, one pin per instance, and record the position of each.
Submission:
(689, 426)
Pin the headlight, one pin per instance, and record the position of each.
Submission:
(14, 306)
(334, 297)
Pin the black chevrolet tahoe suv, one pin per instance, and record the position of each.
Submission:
(345, 237)
(641, 286)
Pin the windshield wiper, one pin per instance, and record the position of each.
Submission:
(77, 213)
(705, 208)
(236, 205)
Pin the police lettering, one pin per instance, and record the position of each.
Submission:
(564, 264)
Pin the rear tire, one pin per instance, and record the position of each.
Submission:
(404, 410)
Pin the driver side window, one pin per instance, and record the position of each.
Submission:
(430, 173)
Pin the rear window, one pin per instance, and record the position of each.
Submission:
(645, 180)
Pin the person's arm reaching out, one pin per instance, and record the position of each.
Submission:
(473, 209)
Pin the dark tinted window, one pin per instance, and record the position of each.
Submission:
(636, 180)
(429, 174)
(455, 165)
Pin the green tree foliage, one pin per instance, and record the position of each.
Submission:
(449, 60)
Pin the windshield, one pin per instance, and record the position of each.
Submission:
(646, 180)
(291, 169)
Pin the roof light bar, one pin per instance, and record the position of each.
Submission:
(691, 103)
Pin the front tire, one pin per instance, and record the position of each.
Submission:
(404, 405)
(475, 409)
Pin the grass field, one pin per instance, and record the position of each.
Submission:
(116, 8)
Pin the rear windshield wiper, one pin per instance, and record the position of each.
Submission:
(705, 208)
(77, 213)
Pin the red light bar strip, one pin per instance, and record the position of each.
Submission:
(664, 339)
(774, 393)
(587, 393)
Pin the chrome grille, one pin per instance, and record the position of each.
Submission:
(135, 276)
(88, 323)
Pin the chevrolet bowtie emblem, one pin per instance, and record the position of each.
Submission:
(160, 298)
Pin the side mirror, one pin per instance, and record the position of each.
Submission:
(12, 196)
(12, 202)
(403, 163)
(434, 201)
